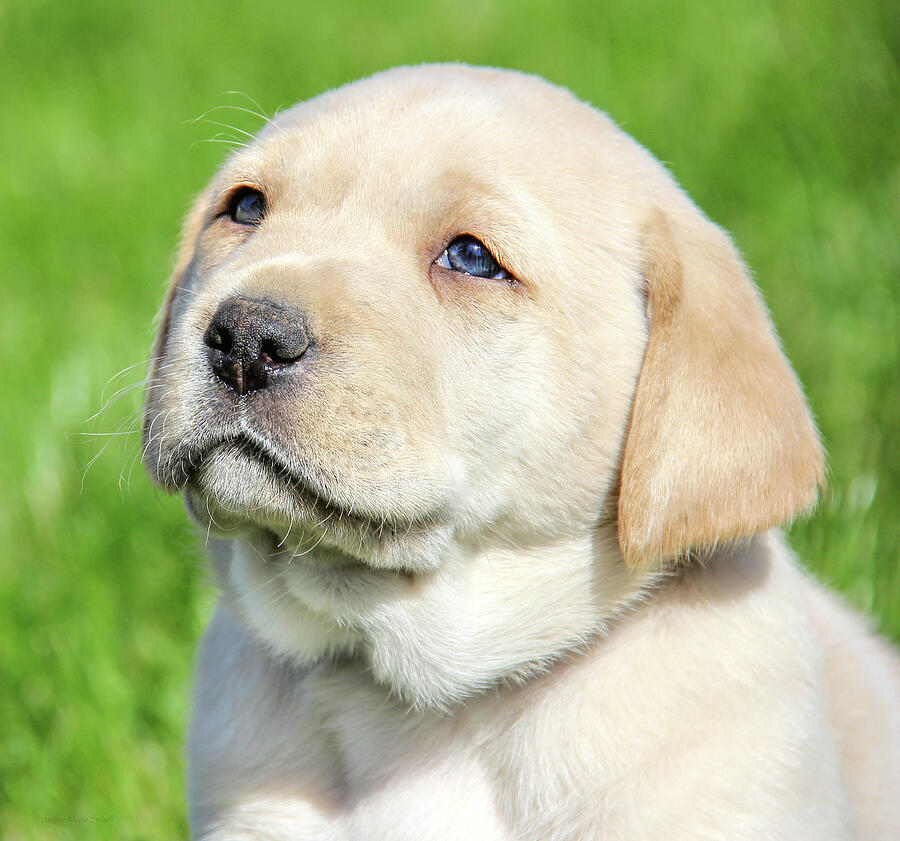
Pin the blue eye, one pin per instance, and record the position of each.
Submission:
(472, 257)
(247, 206)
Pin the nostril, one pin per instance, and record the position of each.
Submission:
(285, 348)
(219, 338)
(273, 354)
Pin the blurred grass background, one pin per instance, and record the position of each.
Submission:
(780, 119)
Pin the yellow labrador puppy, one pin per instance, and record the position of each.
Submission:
(497, 429)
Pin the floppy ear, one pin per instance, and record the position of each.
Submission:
(721, 444)
(191, 228)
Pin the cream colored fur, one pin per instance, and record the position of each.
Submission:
(495, 555)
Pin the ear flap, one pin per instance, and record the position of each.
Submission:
(193, 224)
(721, 443)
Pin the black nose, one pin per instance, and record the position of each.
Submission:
(249, 341)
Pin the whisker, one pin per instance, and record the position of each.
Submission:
(125, 370)
(229, 127)
(287, 535)
(254, 101)
(307, 551)
(230, 107)
(218, 138)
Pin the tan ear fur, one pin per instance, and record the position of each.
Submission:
(721, 444)
(191, 228)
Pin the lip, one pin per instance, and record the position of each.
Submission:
(280, 497)
(237, 484)
(277, 469)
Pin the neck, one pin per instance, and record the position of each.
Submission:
(486, 616)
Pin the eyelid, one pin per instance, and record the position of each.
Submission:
(228, 196)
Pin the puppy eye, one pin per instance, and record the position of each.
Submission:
(471, 256)
(247, 206)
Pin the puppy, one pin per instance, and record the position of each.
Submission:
(491, 431)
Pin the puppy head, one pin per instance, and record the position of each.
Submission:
(423, 332)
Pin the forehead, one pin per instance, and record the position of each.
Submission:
(405, 160)
(408, 133)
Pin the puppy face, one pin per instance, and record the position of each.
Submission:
(407, 361)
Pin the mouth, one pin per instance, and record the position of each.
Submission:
(244, 478)
(240, 486)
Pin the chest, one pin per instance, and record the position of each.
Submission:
(399, 774)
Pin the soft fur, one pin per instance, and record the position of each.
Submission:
(499, 562)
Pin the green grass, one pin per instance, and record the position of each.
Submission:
(781, 120)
